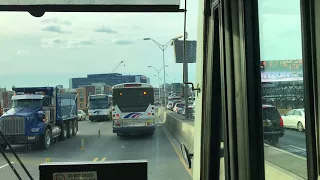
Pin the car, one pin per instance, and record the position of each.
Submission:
(273, 127)
(178, 108)
(81, 115)
(295, 119)
(169, 105)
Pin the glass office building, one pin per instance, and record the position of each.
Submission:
(109, 79)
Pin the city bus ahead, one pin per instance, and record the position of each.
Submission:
(133, 108)
(99, 107)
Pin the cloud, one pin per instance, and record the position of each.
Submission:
(50, 42)
(136, 27)
(105, 29)
(80, 43)
(122, 42)
(57, 21)
(54, 28)
(22, 53)
(67, 43)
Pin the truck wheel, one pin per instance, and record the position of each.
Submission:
(3, 146)
(64, 132)
(46, 139)
(70, 129)
(75, 129)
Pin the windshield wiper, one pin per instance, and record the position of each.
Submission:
(17, 157)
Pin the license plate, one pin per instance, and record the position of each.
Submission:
(31, 137)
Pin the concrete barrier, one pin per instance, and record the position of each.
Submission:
(278, 163)
(182, 130)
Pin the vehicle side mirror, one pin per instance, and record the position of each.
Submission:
(40, 114)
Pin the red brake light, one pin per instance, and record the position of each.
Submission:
(43, 120)
(149, 114)
(281, 122)
(117, 115)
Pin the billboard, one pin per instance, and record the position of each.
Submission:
(190, 54)
(91, 2)
(281, 70)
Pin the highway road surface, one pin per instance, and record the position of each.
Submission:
(161, 151)
(293, 141)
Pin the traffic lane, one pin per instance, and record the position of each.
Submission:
(67, 150)
(163, 162)
(293, 141)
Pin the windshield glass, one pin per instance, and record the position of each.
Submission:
(180, 105)
(86, 54)
(98, 104)
(26, 103)
(133, 99)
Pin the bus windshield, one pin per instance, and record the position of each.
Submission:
(99, 104)
(133, 99)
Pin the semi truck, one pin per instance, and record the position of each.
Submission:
(39, 116)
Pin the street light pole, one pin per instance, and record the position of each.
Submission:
(163, 47)
(158, 72)
(159, 89)
(164, 78)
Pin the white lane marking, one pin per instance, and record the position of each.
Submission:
(102, 122)
(5, 165)
(297, 148)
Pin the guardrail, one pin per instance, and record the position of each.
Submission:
(279, 163)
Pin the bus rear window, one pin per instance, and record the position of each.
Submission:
(133, 97)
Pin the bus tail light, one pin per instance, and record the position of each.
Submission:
(149, 114)
(117, 123)
(117, 115)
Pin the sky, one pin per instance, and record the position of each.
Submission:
(57, 46)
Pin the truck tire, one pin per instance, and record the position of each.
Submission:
(46, 139)
(3, 146)
(64, 132)
(75, 129)
(70, 129)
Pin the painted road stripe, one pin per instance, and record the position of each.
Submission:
(298, 148)
(5, 165)
(104, 158)
(179, 154)
(102, 122)
(95, 159)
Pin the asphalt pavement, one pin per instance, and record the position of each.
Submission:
(293, 141)
(164, 160)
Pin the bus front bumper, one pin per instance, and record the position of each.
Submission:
(128, 130)
(98, 117)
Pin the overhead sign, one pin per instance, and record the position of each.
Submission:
(90, 2)
(191, 51)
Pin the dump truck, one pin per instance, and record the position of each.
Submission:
(39, 116)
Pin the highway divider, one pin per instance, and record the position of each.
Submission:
(182, 130)
(279, 163)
